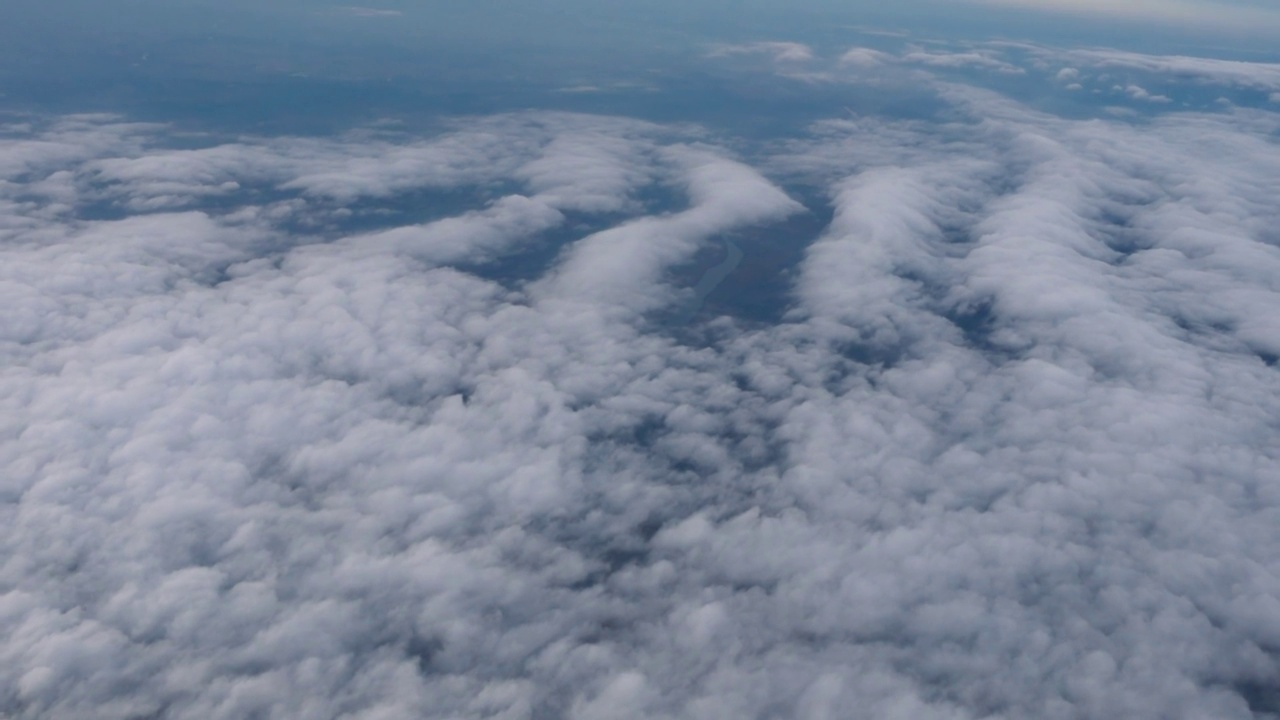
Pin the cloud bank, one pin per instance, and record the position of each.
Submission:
(1218, 14)
(1010, 453)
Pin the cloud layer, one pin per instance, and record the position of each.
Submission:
(1034, 72)
(1217, 14)
(271, 452)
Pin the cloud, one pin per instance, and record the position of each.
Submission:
(864, 57)
(861, 64)
(1263, 76)
(1137, 92)
(621, 267)
(868, 59)
(1202, 13)
(942, 59)
(780, 52)
(370, 12)
(1009, 452)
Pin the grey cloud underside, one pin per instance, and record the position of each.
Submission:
(1011, 454)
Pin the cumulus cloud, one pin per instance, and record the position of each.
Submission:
(1009, 453)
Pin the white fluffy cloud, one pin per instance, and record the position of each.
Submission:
(1010, 454)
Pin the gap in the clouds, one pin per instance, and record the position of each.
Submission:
(613, 538)
(1113, 225)
(871, 355)
(418, 206)
(536, 255)
(112, 202)
(758, 289)
(1263, 698)
(424, 650)
(977, 322)
(317, 217)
